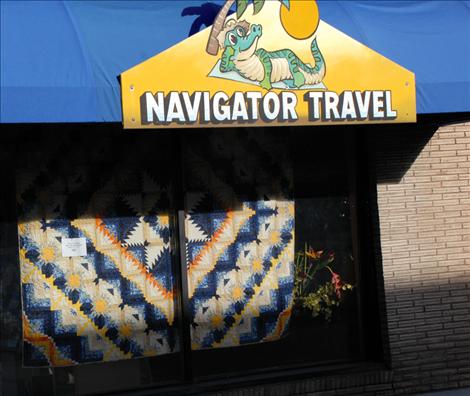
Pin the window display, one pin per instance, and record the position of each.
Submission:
(270, 262)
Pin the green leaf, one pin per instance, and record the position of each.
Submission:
(241, 7)
(321, 265)
(258, 5)
(285, 3)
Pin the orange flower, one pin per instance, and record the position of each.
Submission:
(313, 254)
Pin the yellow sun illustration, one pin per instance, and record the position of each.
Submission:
(301, 19)
(48, 254)
(100, 306)
(74, 281)
(237, 293)
(126, 330)
(217, 321)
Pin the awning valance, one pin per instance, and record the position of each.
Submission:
(60, 60)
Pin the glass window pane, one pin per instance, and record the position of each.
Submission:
(95, 216)
(305, 174)
(240, 242)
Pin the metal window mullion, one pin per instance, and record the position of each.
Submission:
(181, 265)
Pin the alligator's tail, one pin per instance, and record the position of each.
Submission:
(314, 75)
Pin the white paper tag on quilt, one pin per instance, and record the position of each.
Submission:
(73, 247)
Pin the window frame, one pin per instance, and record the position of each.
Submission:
(363, 201)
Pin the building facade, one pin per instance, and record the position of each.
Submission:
(305, 234)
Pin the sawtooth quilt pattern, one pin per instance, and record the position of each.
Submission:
(240, 238)
(117, 301)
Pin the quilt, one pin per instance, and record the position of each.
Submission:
(240, 238)
(115, 300)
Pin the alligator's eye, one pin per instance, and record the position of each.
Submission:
(240, 31)
(232, 38)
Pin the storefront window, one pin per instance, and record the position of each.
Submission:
(317, 186)
(270, 249)
(97, 266)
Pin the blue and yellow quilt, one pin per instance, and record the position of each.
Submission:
(240, 238)
(116, 301)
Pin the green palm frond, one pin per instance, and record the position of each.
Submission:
(257, 5)
(241, 7)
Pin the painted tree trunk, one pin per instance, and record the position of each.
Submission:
(213, 44)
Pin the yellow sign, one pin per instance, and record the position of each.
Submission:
(275, 66)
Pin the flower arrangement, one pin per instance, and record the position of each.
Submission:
(310, 294)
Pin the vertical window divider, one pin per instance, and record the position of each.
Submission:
(184, 298)
(181, 265)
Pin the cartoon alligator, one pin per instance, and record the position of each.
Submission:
(239, 41)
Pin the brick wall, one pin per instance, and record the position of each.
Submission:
(423, 195)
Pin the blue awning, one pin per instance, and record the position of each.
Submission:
(60, 60)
